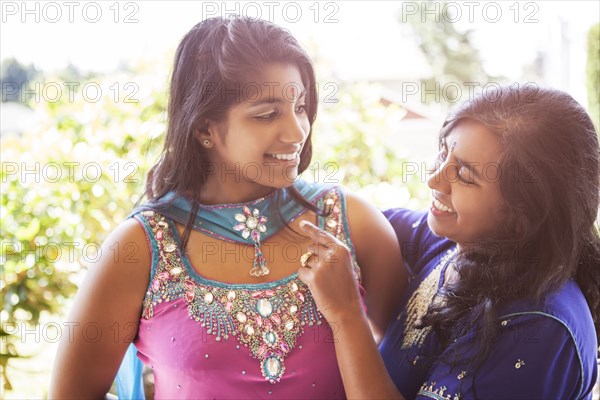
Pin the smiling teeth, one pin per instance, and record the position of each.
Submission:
(286, 157)
(437, 204)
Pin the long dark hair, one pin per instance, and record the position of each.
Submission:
(550, 182)
(212, 63)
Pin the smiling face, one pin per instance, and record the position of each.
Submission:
(257, 147)
(466, 206)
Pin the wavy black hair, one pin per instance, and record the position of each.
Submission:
(550, 183)
(213, 63)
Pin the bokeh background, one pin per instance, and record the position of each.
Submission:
(82, 117)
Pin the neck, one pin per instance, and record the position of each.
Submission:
(215, 192)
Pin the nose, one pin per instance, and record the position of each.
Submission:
(441, 178)
(294, 129)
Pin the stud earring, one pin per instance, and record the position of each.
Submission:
(206, 142)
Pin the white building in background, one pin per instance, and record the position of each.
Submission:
(564, 55)
(415, 137)
(15, 118)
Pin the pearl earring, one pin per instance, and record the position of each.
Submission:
(206, 142)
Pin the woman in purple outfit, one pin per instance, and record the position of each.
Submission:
(207, 286)
(504, 294)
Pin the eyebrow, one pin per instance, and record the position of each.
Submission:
(277, 100)
(469, 166)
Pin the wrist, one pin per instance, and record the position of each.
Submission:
(350, 315)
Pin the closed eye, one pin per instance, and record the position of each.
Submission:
(464, 180)
(442, 155)
(267, 116)
(465, 171)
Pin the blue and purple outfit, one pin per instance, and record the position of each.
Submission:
(545, 351)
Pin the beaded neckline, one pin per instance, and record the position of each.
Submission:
(266, 317)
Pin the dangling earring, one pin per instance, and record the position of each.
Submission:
(206, 142)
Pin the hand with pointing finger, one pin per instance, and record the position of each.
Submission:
(327, 270)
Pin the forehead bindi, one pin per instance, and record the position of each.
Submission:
(474, 143)
(475, 148)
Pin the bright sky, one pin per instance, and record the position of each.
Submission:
(362, 39)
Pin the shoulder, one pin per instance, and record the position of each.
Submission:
(123, 266)
(365, 220)
(408, 224)
(127, 246)
(367, 223)
(400, 216)
(359, 206)
(531, 357)
(359, 212)
(128, 233)
(563, 315)
(536, 355)
(110, 296)
(536, 352)
(566, 306)
(371, 234)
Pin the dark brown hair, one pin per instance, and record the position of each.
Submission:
(550, 183)
(212, 63)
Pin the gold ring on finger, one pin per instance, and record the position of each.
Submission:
(304, 259)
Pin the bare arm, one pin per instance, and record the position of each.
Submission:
(104, 318)
(329, 278)
(362, 369)
(378, 253)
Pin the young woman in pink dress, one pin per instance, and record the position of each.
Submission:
(210, 297)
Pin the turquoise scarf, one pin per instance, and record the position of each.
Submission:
(248, 223)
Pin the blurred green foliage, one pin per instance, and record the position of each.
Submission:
(351, 148)
(66, 183)
(69, 180)
(449, 51)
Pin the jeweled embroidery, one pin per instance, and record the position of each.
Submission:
(267, 321)
(334, 223)
(428, 389)
(251, 224)
(418, 304)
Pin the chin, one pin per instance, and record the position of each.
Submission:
(287, 181)
(433, 225)
(438, 230)
(279, 183)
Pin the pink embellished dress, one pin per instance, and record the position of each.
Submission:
(209, 339)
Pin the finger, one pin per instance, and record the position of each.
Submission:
(315, 248)
(319, 254)
(317, 234)
(305, 275)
